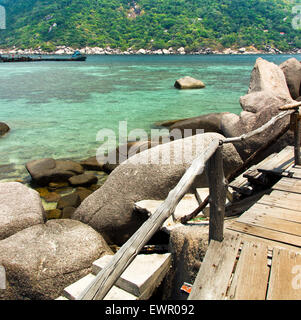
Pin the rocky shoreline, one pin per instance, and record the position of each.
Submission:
(65, 50)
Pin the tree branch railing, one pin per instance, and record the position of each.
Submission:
(212, 161)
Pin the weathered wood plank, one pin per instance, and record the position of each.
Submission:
(215, 272)
(280, 213)
(250, 283)
(290, 106)
(285, 279)
(266, 233)
(271, 244)
(268, 222)
(289, 185)
(73, 291)
(144, 272)
(280, 162)
(281, 199)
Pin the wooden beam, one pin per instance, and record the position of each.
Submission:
(217, 188)
(295, 124)
(249, 135)
(291, 106)
(106, 278)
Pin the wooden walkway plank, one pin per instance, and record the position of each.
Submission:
(270, 211)
(280, 199)
(279, 162)
(215, 272)
(266, 233)
(285, 279)
(289, 185)
(271, 244)
(252, 273)
(268, 222)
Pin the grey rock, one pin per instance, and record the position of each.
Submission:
(267, 92)
(84, 179)
(20, 208)
(42, 260)
(189, 83)
(292, 71)
(209, 123)
(109, 210)
(44, 171)
(92, 164)
(71, 200)
(4, 128)
(268, 88)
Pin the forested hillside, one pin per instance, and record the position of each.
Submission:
(149, 24)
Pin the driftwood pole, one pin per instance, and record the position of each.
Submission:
(296, 128)
(106, 278)
(217, 189)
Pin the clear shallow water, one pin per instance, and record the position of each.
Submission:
(55, 109)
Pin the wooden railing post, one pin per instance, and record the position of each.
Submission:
(217, 189)
(295, 123)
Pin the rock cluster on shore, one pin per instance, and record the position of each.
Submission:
(64, 184)
(65, 50)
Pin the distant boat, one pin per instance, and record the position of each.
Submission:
(77, 56)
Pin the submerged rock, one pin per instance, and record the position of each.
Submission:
(20, 208)
(42, 260)
(4, 128)
(85, 179)
(45, 171)
(109, 210)
(189, 83)
(71, 200)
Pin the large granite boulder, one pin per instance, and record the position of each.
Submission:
(267, 92)
(150, 174)
(42, 260)
(20, 208)
(44, 171)
(189, 83)
(123, 152)
(292, 71)
(4, 128)
(268, 88)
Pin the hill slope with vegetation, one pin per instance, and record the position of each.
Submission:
(149, 24)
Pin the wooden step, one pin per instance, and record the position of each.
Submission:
(73, 291)
(243, 183)
(186, 206)
(142, 276)
(279, 164)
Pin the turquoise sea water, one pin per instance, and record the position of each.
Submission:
(55, 109)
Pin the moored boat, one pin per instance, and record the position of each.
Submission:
(77, 56)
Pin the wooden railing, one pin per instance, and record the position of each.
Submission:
(212, 159)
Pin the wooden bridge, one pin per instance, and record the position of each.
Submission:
(259, 255)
